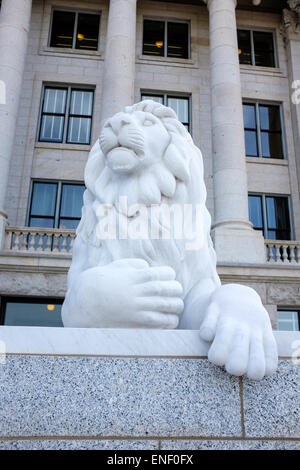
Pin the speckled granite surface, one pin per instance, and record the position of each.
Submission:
(78, 444)
(230, 445)
(115, 403)
(85, 396)
(272, 406)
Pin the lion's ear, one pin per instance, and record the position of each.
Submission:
(176, 163)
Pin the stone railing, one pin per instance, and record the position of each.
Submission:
(59, 241)
(42, 240)
(282, 252)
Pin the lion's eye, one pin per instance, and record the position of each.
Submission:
(148, 122)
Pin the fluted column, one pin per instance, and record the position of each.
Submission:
(234, 237)
(119, 64)
(14, 28)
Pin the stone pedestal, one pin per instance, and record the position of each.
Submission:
(139, 389)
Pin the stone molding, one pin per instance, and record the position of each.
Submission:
(117, 342)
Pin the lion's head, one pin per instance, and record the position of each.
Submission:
(143, 153)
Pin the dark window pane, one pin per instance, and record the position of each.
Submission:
(71, 200)
(41, 222)
(264, 49)
(178, 40)
(87, 31)
(62, 29)
(81, 102)
(33, 314)
(52, 128)
(270, 118)
(154, 37)
(251, 144)
(271, 144)
(43, 199)
(159, 99)
(79, 130)
(278, 217)
(249, 116)
(255, 212)
(244, 42)
(55, 100)
(181, 107)
(69, 224)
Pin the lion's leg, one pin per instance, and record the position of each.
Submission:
(195, 304)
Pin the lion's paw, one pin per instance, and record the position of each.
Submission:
(239, 328)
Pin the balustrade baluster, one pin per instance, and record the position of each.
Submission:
(284, 256)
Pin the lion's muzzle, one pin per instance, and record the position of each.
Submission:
(122, 160)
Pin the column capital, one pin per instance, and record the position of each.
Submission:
(291, 19)
(209, 2)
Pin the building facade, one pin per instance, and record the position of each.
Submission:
(230, 69)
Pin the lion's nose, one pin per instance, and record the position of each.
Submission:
(119, 121)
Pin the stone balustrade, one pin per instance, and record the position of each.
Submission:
(282, 252)
(41, 240)
(59, 241)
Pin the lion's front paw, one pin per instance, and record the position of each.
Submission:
(239, 328)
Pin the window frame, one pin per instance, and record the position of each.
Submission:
(69, 88)
(25, 299)
(77, 11)
(288, 309)
(166, 95)
(265, 228)
(166, 21)
(257, 104)
(260, 30)
(59, 191)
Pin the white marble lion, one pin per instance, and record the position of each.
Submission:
(145, 159)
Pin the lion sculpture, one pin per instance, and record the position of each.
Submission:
(144, 159)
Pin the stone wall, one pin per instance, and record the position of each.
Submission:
(139, 389)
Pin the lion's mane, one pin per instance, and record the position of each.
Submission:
(177, 180)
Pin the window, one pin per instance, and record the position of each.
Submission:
(66, 115)
(180, 104)
(263, 130)
(75, 30)
(24, 311)
(166, 39)
(55, 205)
(271, 215)
(256, 48)
(288, 320)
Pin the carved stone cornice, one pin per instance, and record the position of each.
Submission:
(294, 6)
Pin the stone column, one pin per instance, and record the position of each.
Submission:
(291, 35)
(14, 27)
(233, 234)
(119, 64)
